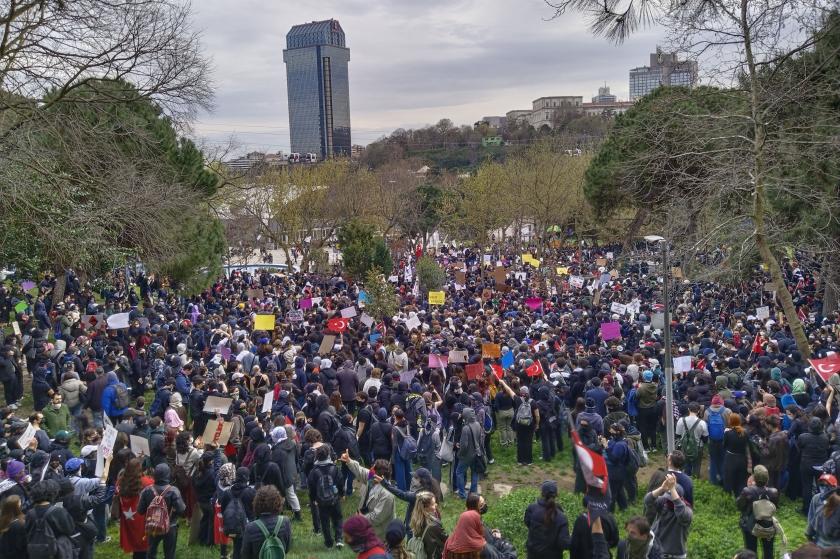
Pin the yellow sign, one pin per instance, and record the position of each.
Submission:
(561, 271)
(264, 322)
(528, 259)
(437, 297)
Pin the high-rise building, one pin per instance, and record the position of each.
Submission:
(318, 88)
(604, 96)
(664, 69)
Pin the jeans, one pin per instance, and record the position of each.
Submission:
(170, 540)
(506, 435)
(100, 518)
(751, 543)
(461, 479)
(348, 480)
(716, 454)
(547, 442)
(330, 514)
(693, 469)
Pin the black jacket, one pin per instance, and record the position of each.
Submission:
(172, 497)
(253, 539)
(546, 541)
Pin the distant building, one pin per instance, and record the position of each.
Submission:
(664, 69)
(517, 115)
(606, 109)
(494, 121)
(544, 109)
(356, 151)
(256, 161)
(317, 79)
(604, 96)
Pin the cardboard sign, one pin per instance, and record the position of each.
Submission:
(596, 299)
(367, 320)
(458, 356)
(294, 316)
(217, 404)
(264, 322)
(491, 351)
(600, 262)
(438, 361)
(610, 331)
(118, 321)
(140, 446)
(217, 432)
(16, 328)
(255, 293)
(474, 371)
(486, 293)
(677, 273)
(618, 308)
(460, 278)
(268, 401)
(500, 275)
(503, 288)
(437, 297)
(413, 323)
(349, 312)
(657, 321)
(576, 281)
(762, 313)
(27, 437)
(327, 344)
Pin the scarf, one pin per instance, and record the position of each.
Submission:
(227, 473)
(637, 549)
(468, 535)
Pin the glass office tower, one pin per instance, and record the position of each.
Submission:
(318, 88)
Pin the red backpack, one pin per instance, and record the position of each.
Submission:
(157, 515)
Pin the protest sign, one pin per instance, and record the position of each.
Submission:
(407, 376)
(600, 262)
(305, 303)
(677, 273)
(140, 445)
(487, 259)
(367, 320)
(326, 344)
(507, 359)
(118, 321)
(533, 303)
(217, 404)
(362, 298)
(618, 308)
(521, 276)
(503, 288)
(486, 293)
(458, 356)
(562, 271)
(762, 313)
(474, 371)
(109, 437)
(217, 432)
(16, 328)
(349, 312)
(268, 400)
(497, 370)
(609, 256)
(413, 323)
(682, 364)
(657, 321)
(294, 316)
(255, 293)
(576, 281)
(437, 361)
(491, 351)
(264, 322)
(596, 299)
(394, 279)
(610, 331)
(500, 275)
(27, 437)
(437, 297)
(460, 278)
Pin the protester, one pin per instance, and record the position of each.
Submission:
(467, 539)
(757, 503)
(548, 528)
(670, 516)
(173, 505)
(425, 525)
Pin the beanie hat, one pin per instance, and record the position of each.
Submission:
(647, 375)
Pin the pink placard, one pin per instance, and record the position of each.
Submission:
(438, 361)
(610, 330)
(533, 303)
(305, 303)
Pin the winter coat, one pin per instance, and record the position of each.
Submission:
(73, 391)
(381, 504)
(253, 538)
(546, 541)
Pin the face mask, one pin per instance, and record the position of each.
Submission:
(358, 548)
(56, 406)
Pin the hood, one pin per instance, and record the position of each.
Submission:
(162, 474)
(112, 378)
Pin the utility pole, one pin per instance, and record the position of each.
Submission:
(669, 361)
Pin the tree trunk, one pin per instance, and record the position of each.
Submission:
(830, 280)
(60, 285)
(633, 228)
(759, 195)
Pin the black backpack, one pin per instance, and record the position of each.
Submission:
(326, 490)
(42, 542)
(121, 397)
(233, 517)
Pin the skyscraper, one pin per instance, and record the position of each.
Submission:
(664, 69)
(318, 88)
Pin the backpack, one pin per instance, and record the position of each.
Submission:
(42, 542)
(121, 396)
(488, 422)
(415, 545)
(416, 412)
(688, 442)
(763, 511)
(716, 425)
(408, 446)
(157, 515)
(326, 490)
(272, 546)
(234, 518)
(524, 415)
(352, 443)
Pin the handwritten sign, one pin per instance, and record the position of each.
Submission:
(217, 432)
(458, 356)
(762, 313)
(367, 320)
(27, 436)
(255, 293)
(264, 322)
(413, 323)
(576, 281)
(294, 316)
(618, 308)
(16, 328)
(349, 312)
(500, 275)
(326, 344)
(109, 437)
(460, 278)
(437, 297)
(140, 446)
(217, 404)
(491, 351)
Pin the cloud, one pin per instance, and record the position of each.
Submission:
(411, 63)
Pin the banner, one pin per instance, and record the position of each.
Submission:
(474, 371)
(592, 465)
(826, 367)
(437, 297)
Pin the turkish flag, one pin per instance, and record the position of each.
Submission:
(826, 367)
(592, 464)
(498, 370)
(534, 370)
(338, 324)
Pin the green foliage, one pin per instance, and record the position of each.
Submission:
(431, 275)
(199, 261)
(381, 297)
(362, 249)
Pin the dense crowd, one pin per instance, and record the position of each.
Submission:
(234, 410)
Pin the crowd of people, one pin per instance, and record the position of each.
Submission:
(155, 410)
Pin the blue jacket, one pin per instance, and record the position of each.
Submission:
(183, 385)
(109, 400)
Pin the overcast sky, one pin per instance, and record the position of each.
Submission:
(412, 62)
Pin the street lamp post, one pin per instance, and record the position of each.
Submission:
(669, 361)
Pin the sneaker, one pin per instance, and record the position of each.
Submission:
(339, 545)
(491, 461)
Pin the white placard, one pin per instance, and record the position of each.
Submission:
(762, 313)
(576, 281)
(682, 364)
(117, 321)
(393, 279)
(140, 446)
(16, 328)
(349, 312)
(521, 276)
(657, 321)
(268, 401)
(408, 275)
(413, 323)
(609, 256)
(367, 320)
(618, 308)
(109, 437)
(27, 437)
(217, 404)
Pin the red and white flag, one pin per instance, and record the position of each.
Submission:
(592, 465)
(826, 367)
(534, 370)
(338, 324)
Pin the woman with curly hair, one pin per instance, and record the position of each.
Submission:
(267, 520)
